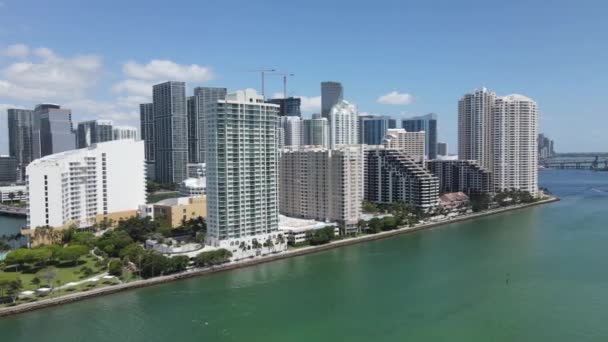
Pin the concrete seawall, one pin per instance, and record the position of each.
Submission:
(250, 262)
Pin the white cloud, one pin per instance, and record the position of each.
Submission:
(310, 104)
(134, 87)
(167, 70)
(49, 78)
(396, 98)
(17, 50)
(87, 109)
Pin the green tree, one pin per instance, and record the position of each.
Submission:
(115, 268)
(211, 258)
(48, 274)
(14, 288)
(112, 242)
(153, 264)
(375, 225)
(178, 263)
(4, 246)
(132, 252)
(72, 253)
(139, 229)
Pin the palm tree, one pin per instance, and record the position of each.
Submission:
(11, 196)
(280, 239)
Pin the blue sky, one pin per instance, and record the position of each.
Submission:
(100, 58)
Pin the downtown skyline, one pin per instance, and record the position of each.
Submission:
(105, 76)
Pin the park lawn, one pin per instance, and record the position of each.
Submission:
(65, 274)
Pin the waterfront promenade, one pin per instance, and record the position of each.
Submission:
(250, 262)
(8, 210)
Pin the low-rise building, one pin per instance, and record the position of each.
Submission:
(454, 201)
(11, 193)
(175, 211)
(192, 187)
(8, 169)
(295, 230)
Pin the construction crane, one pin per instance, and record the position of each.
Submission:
(285, 75)
(263, 71)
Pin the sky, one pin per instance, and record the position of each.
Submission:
(398, 58)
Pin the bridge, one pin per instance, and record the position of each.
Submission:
(595, 164)
(7, 210)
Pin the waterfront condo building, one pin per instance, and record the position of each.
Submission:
(105, 181)
(170, 131)
(20, 123)
(392, 176)
(428, 125)
(461, 176)
(316, 131)
(332, 93)
(409, 143)
(475, 112)
(92, 132)
(197, 127)
(242, 170)
(343, 125)
(515, 149)
(322, 184)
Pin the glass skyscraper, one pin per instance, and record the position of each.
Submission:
(20, 138)
(332, 93)
(289, 106)
(372, 128)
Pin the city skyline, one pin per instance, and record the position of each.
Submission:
(108, 76)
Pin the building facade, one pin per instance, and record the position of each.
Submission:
(9, 169)
(291, 131)
(410, 143)
(146, 119)
(86, 186)
(288, 106)
(322, 184)
(442, 149)
(242, 170)
(170, 131)
(316, 131)
(515, 149)
(372, 128)
(125, 132)
(428, 125)
(197, 107)
(392, 176)
(53, 131)
(461, 176)
(546, 148)
(92, 132)
(343, 125)
(20, 123)
(475, 112)
(332, 93)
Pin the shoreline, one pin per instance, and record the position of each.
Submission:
(70, 298)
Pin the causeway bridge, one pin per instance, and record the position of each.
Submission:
(7, 210)
(595, 164)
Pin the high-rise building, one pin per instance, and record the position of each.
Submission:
(124, 132)
(322, 184)
(316, 131)
(86, 186)
(391, 176)
(428, 124)
(170, 131)
(515, 149)
(372, 128)
(20, 138)
(146, 119)
(242, 170)
(409, 143)
(461, 176)
(288, 106)
(92, 132)
(291, 131)
(8, 169)
(546, 148)
(197, 106)
(475, 127)
(53, 131)
(343, 125)
(442, 149)
(332, 93)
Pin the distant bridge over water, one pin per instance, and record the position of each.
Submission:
(595, 164)
(7, 210)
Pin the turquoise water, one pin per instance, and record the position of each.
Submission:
(537, 274)
(10, 225)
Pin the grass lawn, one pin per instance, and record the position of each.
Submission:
(155, 197)
(65, 273)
